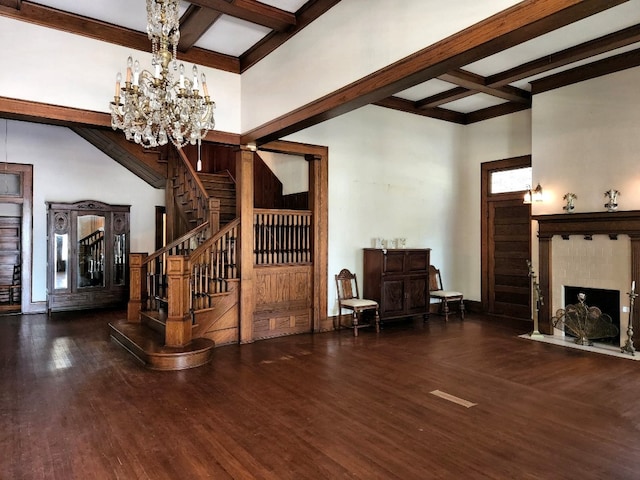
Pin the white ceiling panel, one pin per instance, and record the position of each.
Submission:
(473, 103)
(424, 90)
(232, 36)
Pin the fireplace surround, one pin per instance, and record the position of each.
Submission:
(586, 225)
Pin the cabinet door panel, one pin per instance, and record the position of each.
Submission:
(417, 262)
(394, 262)
(418, 294)
(393, 296)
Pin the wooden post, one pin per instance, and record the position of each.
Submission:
(244, 170)
(318, 187)
(544, 274)
(214, 215)
(137, 286)
(635, 276)
(178, 327)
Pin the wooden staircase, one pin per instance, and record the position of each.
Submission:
(177, 315)
(223, 187)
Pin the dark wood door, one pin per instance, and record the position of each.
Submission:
(10, 265)
(509, 248)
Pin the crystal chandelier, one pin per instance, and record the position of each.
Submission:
(151, 108)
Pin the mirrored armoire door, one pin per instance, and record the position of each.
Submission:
(87, 255)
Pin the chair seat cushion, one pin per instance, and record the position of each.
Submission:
(359, 303)
(445, 293)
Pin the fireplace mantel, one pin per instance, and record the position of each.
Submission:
(605, 223)
(585, 224)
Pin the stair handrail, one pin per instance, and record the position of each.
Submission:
(183, 239)
(193, 174)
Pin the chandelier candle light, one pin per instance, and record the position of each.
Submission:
(151, 109)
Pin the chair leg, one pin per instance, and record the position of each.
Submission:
(462, 309)
(377, 322)
(355, 324)
(445, 306)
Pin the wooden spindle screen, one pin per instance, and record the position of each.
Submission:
(213, 265)
(282, 237)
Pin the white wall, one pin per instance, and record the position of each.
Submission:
(586, 140)
(366, 35)
(390, 175)
(291, 170)
(495, 139)
(66, 168)
(51, 66)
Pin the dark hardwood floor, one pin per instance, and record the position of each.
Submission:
(327, 406)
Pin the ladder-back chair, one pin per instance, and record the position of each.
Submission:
(349, 299)
(444, 296)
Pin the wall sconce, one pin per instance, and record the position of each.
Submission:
(533, 195)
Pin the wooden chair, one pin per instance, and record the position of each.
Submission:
(444, 296)
(349, 299)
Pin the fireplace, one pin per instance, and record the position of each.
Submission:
(612, 232)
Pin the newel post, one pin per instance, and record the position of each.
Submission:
(137, 276)
(214, 215)
(178, 327)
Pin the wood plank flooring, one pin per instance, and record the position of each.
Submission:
(325, 406)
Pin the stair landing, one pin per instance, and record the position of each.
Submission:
(147, 346)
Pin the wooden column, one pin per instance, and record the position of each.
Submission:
(318, 187)
(137, 286)
(544, 278)
(244, 205)
(635, 275)
(178, 327)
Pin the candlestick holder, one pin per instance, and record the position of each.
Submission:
(536, 302)
(628, 346)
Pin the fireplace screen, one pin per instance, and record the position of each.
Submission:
(584, 322)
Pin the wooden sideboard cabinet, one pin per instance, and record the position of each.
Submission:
(398, 279)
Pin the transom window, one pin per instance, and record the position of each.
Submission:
(515, 180)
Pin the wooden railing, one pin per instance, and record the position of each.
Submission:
(212, 265)
(282, 236)
(190, 192)
(155, 265)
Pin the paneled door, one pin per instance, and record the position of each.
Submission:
(506, 238)
(509, 245)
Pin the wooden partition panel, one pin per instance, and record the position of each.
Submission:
(283, 300)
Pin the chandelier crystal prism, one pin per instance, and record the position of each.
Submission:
(153, 109)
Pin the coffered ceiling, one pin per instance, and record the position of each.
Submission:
(235, 34)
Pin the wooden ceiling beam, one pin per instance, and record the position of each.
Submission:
(252, 11)
(570, 55)
(606, 66)
(11, 4)
(36, 112)
(76, 24)
(525, 20)
(444, 97)
(193, 24)
(402, 105)
(307, 14)
(495, 111)
(472, 81)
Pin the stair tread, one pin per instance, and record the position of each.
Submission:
(148, 346)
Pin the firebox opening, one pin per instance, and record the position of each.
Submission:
(608, 301)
